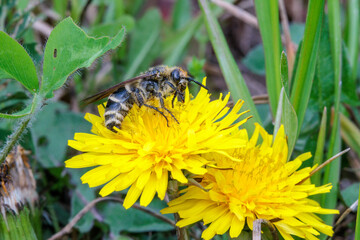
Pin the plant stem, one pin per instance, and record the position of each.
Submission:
(13, 138)
(24, 122)
(173, 191)
(67, 229)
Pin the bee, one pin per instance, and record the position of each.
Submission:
(156, 83)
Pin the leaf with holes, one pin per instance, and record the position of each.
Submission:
(68, 49)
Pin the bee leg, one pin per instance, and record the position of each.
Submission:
(177, 93)
(171, 85)
(181, 97)
(141, 102)
(172, 101)
(156, 109)
(163, 106)
(175, 89)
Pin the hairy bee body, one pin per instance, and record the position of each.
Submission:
(156, 83)
(117, 107)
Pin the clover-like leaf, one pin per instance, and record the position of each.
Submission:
(16, 64)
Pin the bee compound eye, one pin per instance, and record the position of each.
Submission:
(175, 74)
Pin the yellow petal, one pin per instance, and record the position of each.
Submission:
(149, 191)
(131, 197)
(236, 227)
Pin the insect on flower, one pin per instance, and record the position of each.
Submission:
(156, 83)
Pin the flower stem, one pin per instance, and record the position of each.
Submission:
(13, 138)
(24, 122)
(173, 190)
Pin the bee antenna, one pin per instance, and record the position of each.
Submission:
(193, 80)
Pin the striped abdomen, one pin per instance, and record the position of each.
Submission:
(118, 106)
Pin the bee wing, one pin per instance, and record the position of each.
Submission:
(105, 93)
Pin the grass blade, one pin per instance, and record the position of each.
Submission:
(268, 17)
(352, 34)
(350, 133)
(229, 68)
(332, 171)
(319, 153)
(357, 228)
(286, 116)
(284, 71)
(285, 113)
(303, 79)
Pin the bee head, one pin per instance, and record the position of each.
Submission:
(177, 74)
(181, 78)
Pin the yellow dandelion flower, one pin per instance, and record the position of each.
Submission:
(143, 153)
(261, 186)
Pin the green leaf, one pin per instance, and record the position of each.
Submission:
(267, 13)
(284, 71)
(304, 74)
(181, 14)
(350, 194)
(15, 63)
(324, 92)
(53, 127)
(26, 111)
(19, 114)
(11, 99)
(196, 68)
(134, 220)
(348, 84)
(175, 46)
(255, 60)
(68, 49)
(229, 68)
(143, 39)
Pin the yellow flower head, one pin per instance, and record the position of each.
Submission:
(261, 186)
(145, 150)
